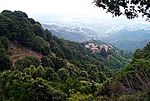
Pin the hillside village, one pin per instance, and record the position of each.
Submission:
(103, 49)
(97, 48)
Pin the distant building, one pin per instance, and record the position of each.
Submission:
(97, 48)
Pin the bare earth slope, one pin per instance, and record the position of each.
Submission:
(17, 51)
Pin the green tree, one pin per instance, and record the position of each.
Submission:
(50, 74)
(102, 77)
(129, 8)
(5, 63)
(18, 86)
(46, 62)
(138, 54)
(5, 42)
(39, 43)
(63, 74)
(58, 63)
(80, 97)
(39, 72)
(58, 51)
(48, 35)
(38, 30)
(26, 62)
(41, 90)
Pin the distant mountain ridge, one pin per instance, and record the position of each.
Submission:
(129, 40)
(77, 34)
(124, 38)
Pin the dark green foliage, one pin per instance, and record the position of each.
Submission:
(5, 42)
(38, 30)
(80, 97)
(39, 44)
(23, 88)
(58, 63)
(138, 54)
(46, 62)
(66, 70)
(50, 74)
(58, 52)
(5, 63)
(146, 51)
(63, 74)
(48, 35)
(52, 61)
(27, 62)
(129, 8)
(17, 26)
(84, 74)
(41, 90)
(131, 82)
(102, 77)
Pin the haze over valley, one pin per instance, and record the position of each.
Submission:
(83, 21)
(125, 34)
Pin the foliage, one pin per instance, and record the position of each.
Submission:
(5, 62)
(80, 97)
(19, 86)
(26, 62)
(17, 26)
(129, 8)
(66, 71)
(131, 82)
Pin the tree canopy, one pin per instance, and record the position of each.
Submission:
(130, 8)
(67, 70)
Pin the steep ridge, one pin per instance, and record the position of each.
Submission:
(131, 82)
(77, 34)
(35, 64)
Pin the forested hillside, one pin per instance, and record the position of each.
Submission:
(38, 66)
(131, 82)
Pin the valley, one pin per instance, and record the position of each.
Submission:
(125, 38)
(40, 62)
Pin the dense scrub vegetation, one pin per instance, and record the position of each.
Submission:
(131, 82)
(67, 70)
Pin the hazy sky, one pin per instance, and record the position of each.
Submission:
(42, 10)
(51, 7)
